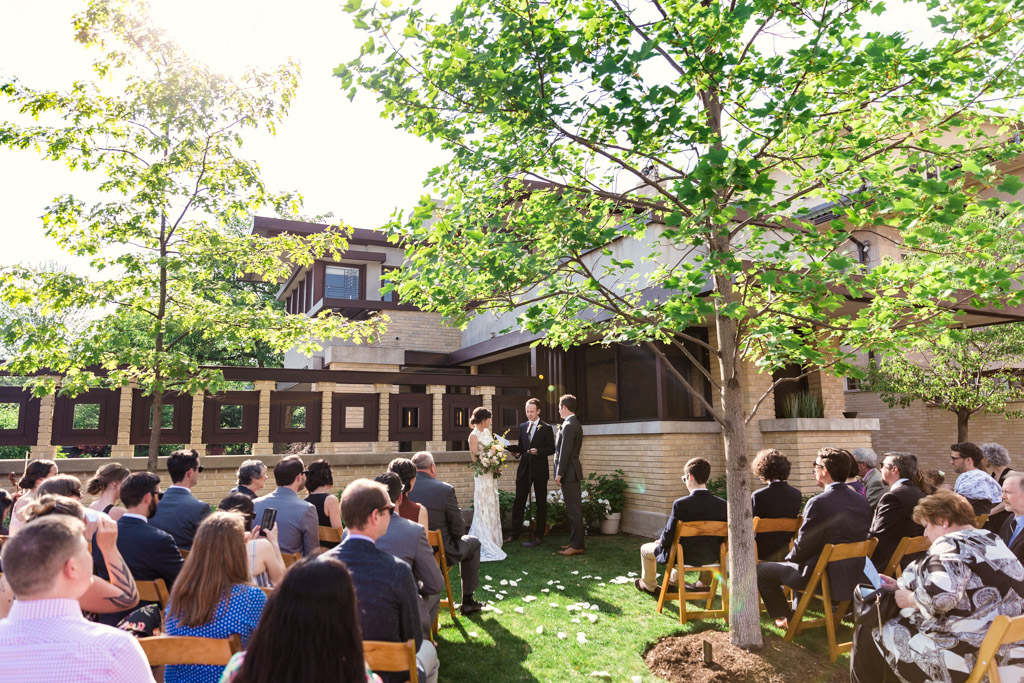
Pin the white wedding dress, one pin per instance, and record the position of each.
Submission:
(486, 513)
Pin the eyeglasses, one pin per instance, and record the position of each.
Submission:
(818, 466)
(956, 457)
(390, 509)
(200, 468)
(888, 466)
(159, 495)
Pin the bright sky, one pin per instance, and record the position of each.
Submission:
(339, 154)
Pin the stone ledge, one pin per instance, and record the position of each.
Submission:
(820, 424)
(653, 427)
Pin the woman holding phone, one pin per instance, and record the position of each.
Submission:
(266, 566)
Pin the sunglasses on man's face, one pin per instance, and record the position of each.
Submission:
(389, 508)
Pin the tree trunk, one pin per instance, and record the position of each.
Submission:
(962, 418)
(744, 607)
(154, 435)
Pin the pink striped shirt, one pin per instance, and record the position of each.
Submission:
(49, 641)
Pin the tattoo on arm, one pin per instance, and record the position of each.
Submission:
(121, 578)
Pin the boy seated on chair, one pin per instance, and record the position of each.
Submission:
(700, 506)
(837, 515)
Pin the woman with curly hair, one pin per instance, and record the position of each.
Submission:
(777, 499)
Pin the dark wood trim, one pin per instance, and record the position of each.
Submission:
(249, 433)
(491, 346)
(308, 291)
(319, 280)
(64, 432)
(457, 409)
(427, 358)
(280, 432)
(180, 430)
(262, 225)
(242, 374)
(353, 255)
(499, 405)
(370, 431)
(424, 431)
(366, 304)
(26, 433)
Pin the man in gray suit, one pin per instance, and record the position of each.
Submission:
(180, 513)
(867, 469)
(1012, 532)
(569, 472)
(296, 519)
(444, 513)
(408, 541)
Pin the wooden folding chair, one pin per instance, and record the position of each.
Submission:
(980, 521)
(154, 591)
(328, 534)
(678, 562)
(183, 552)
(831, 553)
(763, 525)
(290, 558)
(1002, 631)
(267, 591)
(909, 545)
(392, 657)
(175, 650)
(437, 543)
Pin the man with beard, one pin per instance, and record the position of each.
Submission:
(149, 552)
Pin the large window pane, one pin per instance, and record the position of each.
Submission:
(638, 386)
(680, 403)
(86, 416)
(341, 282)
(601, 393)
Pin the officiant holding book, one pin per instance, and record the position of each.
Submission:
(536, 444)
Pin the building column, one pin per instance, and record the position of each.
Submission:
(326, 389)
(44, 448)
(486, 395)
(830, 388)
(123, 447)
(263, 446)
(437, 442)
(382, 444)
(198, 401)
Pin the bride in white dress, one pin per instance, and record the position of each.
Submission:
(486, 513)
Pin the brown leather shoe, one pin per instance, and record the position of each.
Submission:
(564, 547)
(571, 551)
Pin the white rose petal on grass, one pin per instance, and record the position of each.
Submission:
(514, 584)
(540, 630)
(526, 573)
(632, 574)
(496, 610)
(518, 610)
(545, 590)
(561, 588)
(472, 634)
(561, 635)
(581, 638)
(552, 604)
(595, 608)
(551, 582)
(499, 596)
(636, 679)
(574, 621)
(597, 578)
(601, 674)
(529, 598)
(592, 617)
(573, 608)
(601, 584)
(575, 573)
(504, 582)
(488, 578)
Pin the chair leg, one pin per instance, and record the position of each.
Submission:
(798, 615)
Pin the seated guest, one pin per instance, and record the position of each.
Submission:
(700, 506)
(852, 480)
(948, 599)
(212, 597)
(149, 553)
(409, 509)
(311, 615)
(36, 472)
(102, 597)
(1012, 532)
(6, 503)
(180, 513)
(998, 459)
(837, 515)
(319, 482)
(296, 519)
(408, 541)
(777, 499)
(385, 587)
(894, 516)
(867, 470)
(974, 484)
(263, 556)
(936, 480)
(106, 485)
(66, 485)
(45, 638)
(252, 476)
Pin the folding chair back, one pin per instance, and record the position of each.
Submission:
(980, 521)
(183, 552)
(678, 562)
(829, 554)
(154, 591)
(391, 657)
(175, 650)
(1002, 631)
(909, 545)
(328, 534)
(765, 525)
(290, 558)
(437, 544)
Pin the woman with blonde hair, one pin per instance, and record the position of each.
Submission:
(106, 484)
(212, 596)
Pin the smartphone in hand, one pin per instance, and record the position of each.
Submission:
(269, 516)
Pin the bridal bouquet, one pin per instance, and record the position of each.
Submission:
(491, 458)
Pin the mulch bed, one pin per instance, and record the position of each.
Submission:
(680, 659)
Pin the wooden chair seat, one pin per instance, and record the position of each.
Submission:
(678, 562)
(328, 534)
(154, 591)
(183, 552)
(383, 656)
(1003, 630)
(980, 521)
(290, 558)
(908, 545)
(175, 650)
(819, 579)
(765, 525)
(437, 544)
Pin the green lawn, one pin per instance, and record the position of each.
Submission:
(500, 646)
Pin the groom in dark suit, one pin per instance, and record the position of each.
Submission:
(537, 442)
(569, 472)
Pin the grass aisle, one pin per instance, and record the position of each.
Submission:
(504, 645)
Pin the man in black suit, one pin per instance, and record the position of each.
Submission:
(1012, 532)
(149, 552)
(838, 515)
(444, 514)
(894, 516)
(180, 513)
(700, 506)
(569, 472)
(537, 442)
(385, 587)
(777, 499)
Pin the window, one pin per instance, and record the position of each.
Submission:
(852, 384)
(295, 417)
(231, 416)
(385, 279)
(86, 416)
(166, 417)
(342, 282)
(10, 414)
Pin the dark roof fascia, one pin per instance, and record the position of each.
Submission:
(264, 226)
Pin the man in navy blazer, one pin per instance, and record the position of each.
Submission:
(837, 515)
(180, 513)
(894, 516)
(385, 587)
(700, 506)
(537, 443)
(1013, 496)
(407, 541)
(149, 552)
(777, 499)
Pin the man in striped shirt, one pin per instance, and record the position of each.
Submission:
(45, 638)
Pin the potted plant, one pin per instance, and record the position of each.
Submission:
(609, 492)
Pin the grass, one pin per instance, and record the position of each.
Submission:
(497, 647)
